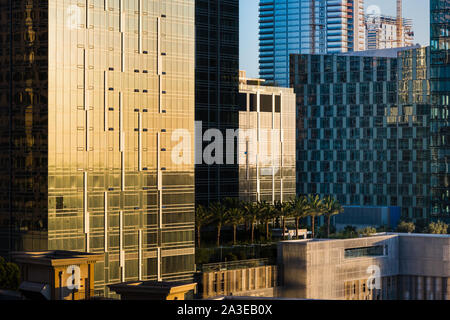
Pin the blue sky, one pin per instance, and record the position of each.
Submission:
(418, 10)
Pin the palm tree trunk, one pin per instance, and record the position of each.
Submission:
(198, 236)
(267, 230)
(296, 227)
(329, 221)
(312, 225)
(284, 227)
(234, 234)
(253, 232)
(219, 226)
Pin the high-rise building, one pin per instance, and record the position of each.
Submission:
(440, 99)
(364, 127)
(216, 87)
(382, 32)
(308, 27)
(266, 141)
(92, 95)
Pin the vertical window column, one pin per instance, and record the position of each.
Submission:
(122, 139)
(106, 222)
(140, 26)
(85, 210)
(105, 100)
(121, 251)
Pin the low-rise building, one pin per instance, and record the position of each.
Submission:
(154, 290)
(384, 267)
(57, 275)
(248, 278)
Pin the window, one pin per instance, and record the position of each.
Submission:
(59, 203)
(373, 251)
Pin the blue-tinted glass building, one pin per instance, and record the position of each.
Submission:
(440, 96)
(306, 26)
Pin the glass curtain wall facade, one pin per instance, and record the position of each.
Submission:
(359, 140)
(266, 143)
(308, 27)
(440, 96)
(24, 136)
(216, 87)
(93, 98)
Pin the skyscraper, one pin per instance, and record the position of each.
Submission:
(440, 96)
(216, 87)
(309, 27)
(363, 128)
(92, 94)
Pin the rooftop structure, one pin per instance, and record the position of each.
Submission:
(386, 266)
(57, 275)
(153, 290)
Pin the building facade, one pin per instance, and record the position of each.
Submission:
(91, 95)
(364, 217)
(306, 26)
(382, 32)
(382, 267)
(363, 128)
(50, 271)
(266, 142)
(440, 96)
(216, 88)
(251, 278)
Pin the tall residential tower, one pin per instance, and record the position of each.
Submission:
(363, 128)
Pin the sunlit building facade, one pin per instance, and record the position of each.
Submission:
(308, 27)
(266, 142)
(91, 94)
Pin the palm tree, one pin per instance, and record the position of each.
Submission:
(315, 209)
(299, 207)
(251, 213)
(283, 210)
(219, 214)
(267, 213)
(331, 208)
(235, 218)
(235, 215)
(202, 217)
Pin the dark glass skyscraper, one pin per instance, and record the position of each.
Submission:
(91, 96)
(216, 88)
(440, 96)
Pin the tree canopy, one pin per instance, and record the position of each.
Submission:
(9, 275)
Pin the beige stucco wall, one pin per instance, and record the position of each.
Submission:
(415, 267)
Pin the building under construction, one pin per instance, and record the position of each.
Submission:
(382, 32)
(308, 27)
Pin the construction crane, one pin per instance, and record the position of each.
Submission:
(399, 23)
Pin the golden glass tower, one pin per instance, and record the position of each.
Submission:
(92, 94)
